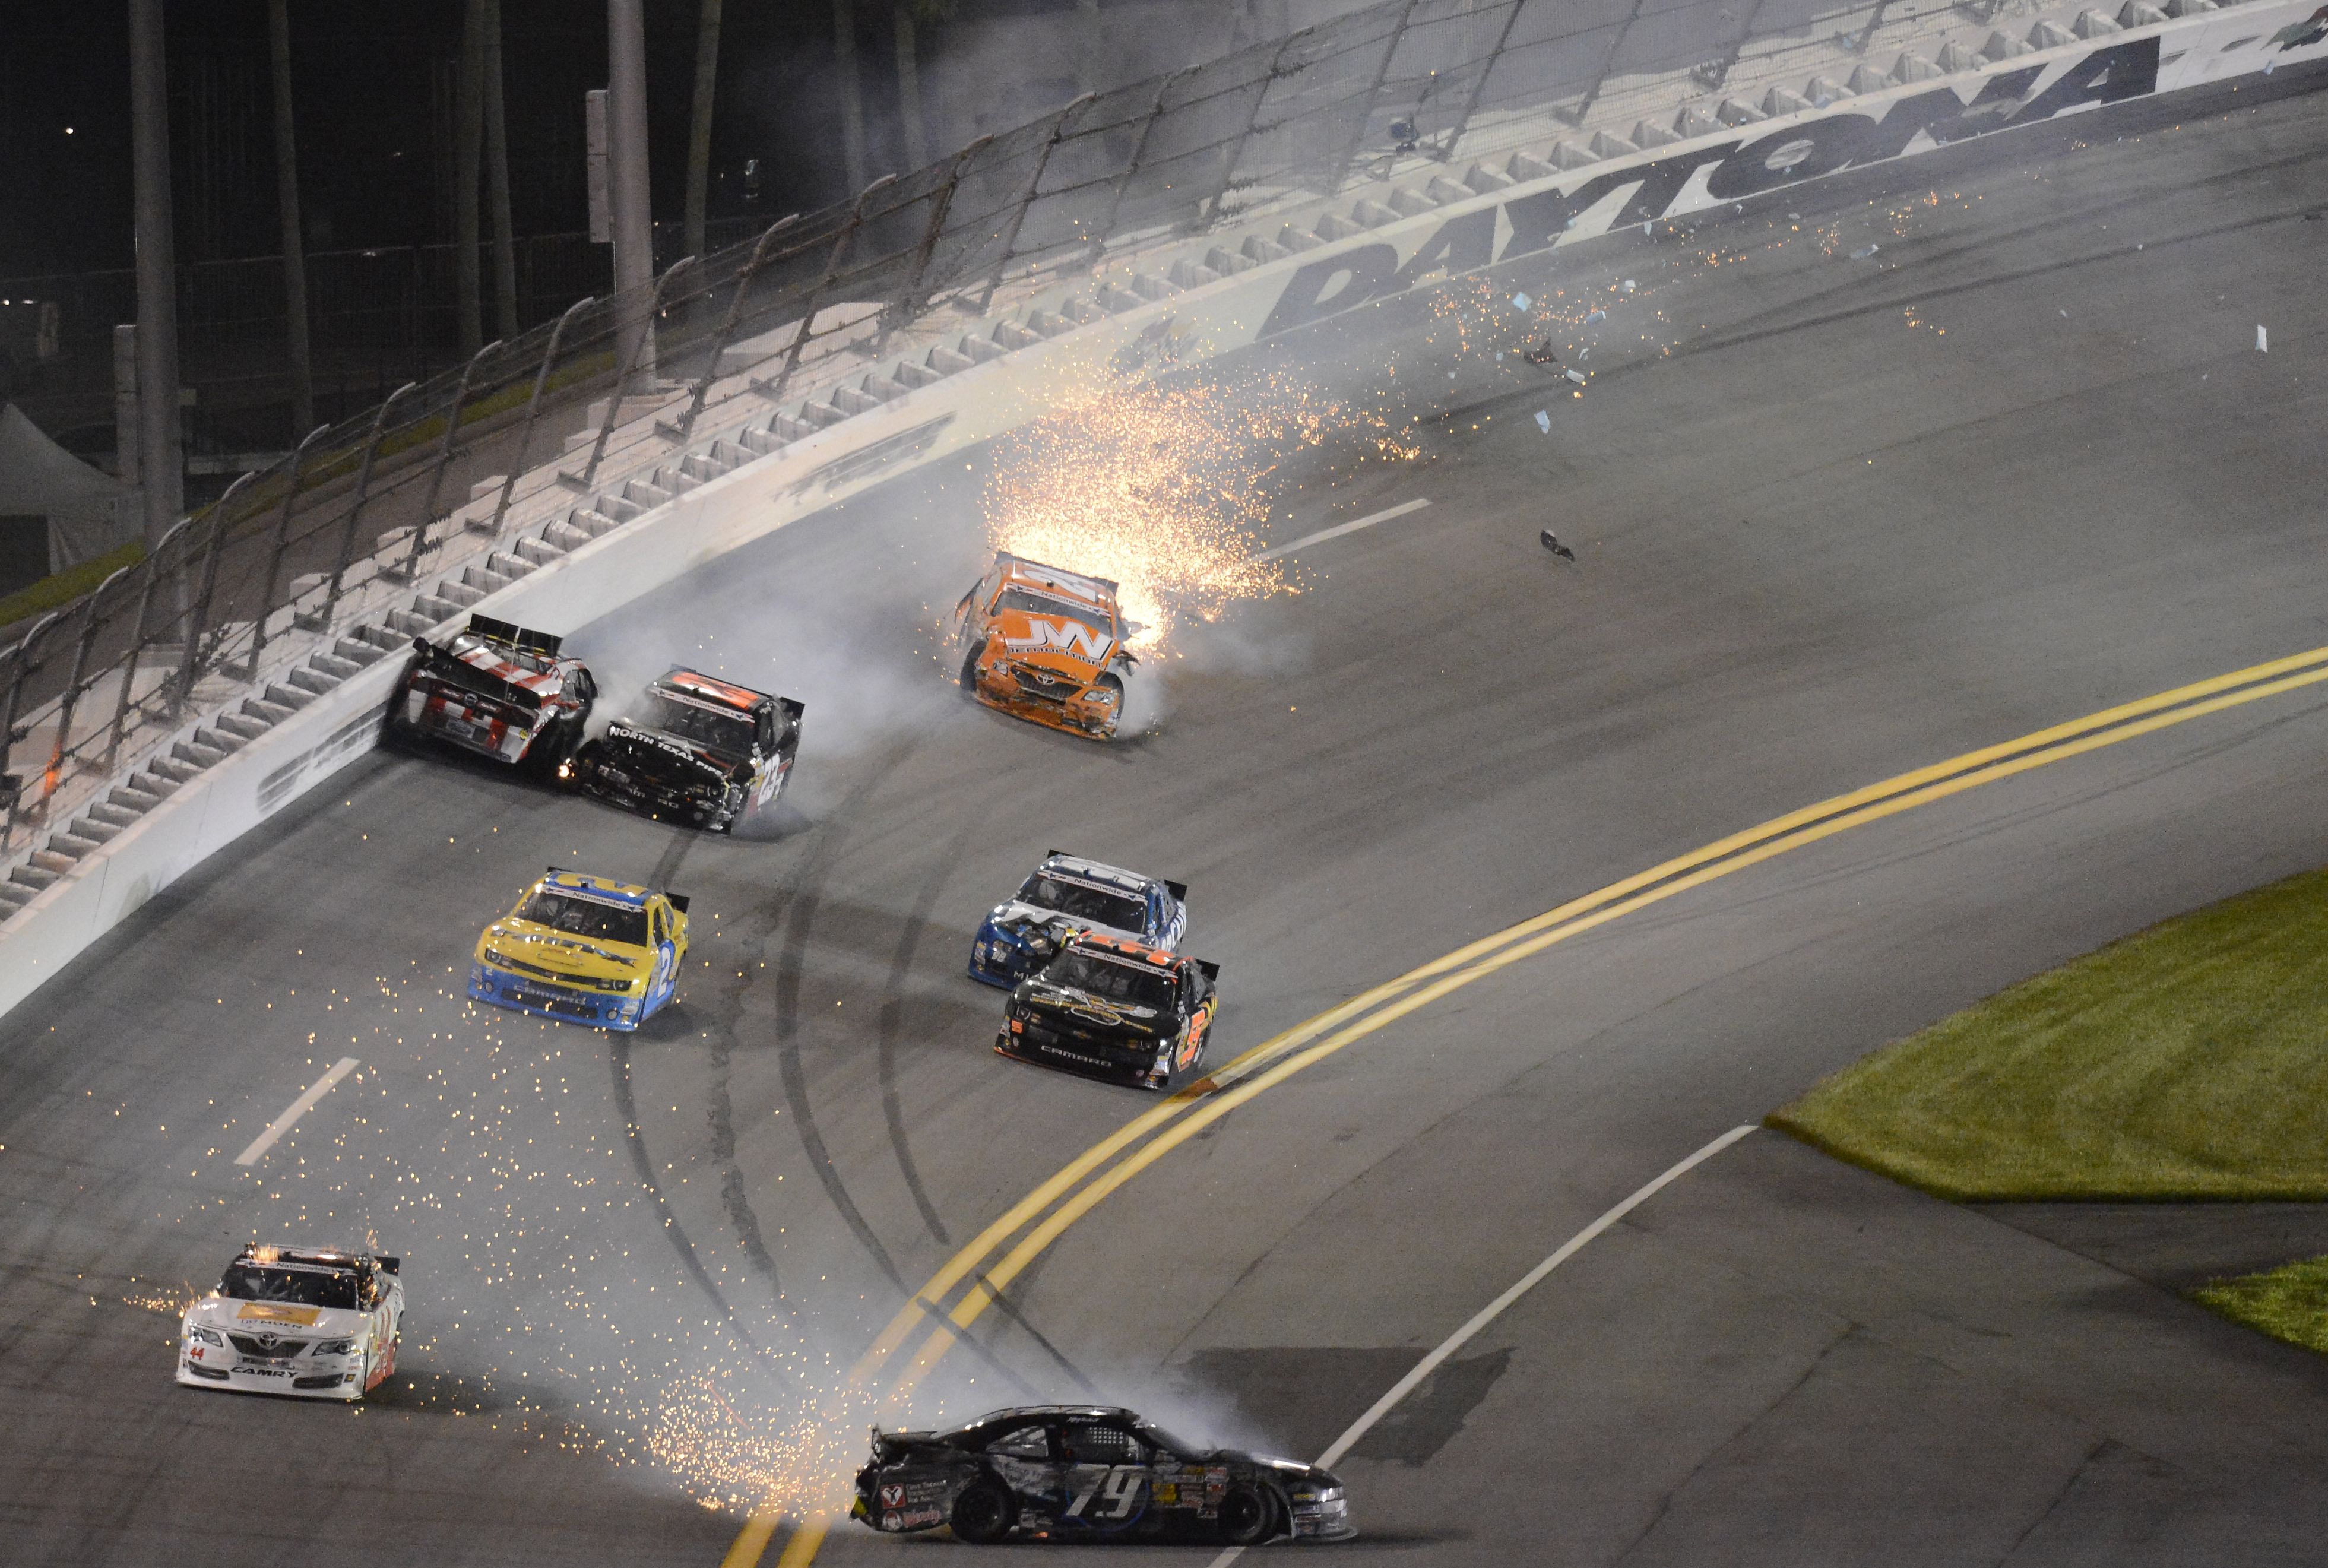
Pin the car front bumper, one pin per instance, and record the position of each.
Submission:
(1323, 1521)
(345, 1384)
(567, 1004)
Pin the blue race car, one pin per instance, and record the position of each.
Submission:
(1068, 894)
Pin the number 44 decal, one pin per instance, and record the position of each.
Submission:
(1108, 1496)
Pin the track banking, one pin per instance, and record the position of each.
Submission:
(1693, 177)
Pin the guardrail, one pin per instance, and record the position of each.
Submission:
(125, 736)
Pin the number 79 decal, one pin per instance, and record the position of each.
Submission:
(1110, 1496)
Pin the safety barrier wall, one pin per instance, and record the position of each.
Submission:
(1519, 209)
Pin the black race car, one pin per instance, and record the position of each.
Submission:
(500, 691)
(1114, 1006)
(1090, 1473)
(707, 752)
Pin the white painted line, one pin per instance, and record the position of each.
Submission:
(1495, 1308)
(299, 1107)
(1400, 510)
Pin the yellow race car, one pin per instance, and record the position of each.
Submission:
(583, 947)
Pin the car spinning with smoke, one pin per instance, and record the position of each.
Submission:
(583, 947)
(1114, 1006)
(705, 751)
(316, 1324)
(1045, 645)
(499, 690)
(1068, 894)
(1090, 1473)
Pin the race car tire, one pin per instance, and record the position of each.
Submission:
(969, 667)
(1248, 1517)
(983, 1514)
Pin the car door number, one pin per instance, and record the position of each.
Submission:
(1108, 1496)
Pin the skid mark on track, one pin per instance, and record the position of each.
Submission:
(893, 1017)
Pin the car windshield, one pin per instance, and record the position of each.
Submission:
(1116, 911)
(333, 1287)
(1136, 984)
(587, 918)
(1178, 1447)
(1034, 604)
(706, 727)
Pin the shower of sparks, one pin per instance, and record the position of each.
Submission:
(1168, 492)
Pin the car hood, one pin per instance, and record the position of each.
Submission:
(1090, 1012)
(1289, 1470)
(667, 759)
(292, 1322)
(548, 947)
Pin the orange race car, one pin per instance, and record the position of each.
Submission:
(1045, 644)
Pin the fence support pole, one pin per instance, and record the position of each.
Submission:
(1277, 72)
(1480, 88)
(695, 399)
(25, 664)
(1131, 164)
(198, 623)
(1374, 97)
(532, 413)
(411, 567)
(911, 299)
(151, 566)
(1026, 197)
(72, 698)
(638, 346)
(1592, 94)
(323, 618)
(775, 392)
(282, 543)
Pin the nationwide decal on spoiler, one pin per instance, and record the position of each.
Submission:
(1728, 171)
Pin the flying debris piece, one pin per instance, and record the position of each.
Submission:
(1596, 314)
(1544, 421)
(1864, 251)
(1521, 302)
(1540, 353)
(1573, 374)
(2065, 315)
(2263, 339)
(1644, 227)
(1551, 542)
(1627, 287)
(1793, 216)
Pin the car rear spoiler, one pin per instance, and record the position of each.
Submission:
(523, 638)
(440, 664)
(1210, 970)
(678, 901)
(1179, 890)
(388, 1265)
(792, 710)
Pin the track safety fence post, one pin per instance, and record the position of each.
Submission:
(1479, 85)
(1276, 73)
(9, 734)
(775, 393)
(533, 412)
(1026, 197)
(282, 544)
(1374, 97)
(445, 453)
(198, 623)
(727, 333)
(347, 553)
(176, 538)
(911, 299)
(629, 368)
(68, 704)
(1131, 164)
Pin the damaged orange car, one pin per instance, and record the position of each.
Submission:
(1046, 645)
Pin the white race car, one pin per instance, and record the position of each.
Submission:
(316, 1324)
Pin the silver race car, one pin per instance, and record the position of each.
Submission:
(316, 1324)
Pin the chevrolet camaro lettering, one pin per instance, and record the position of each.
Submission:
(311, 1323)
(1045, 645)
(1068, 894)
(703, 751)
(1060, 1472)
(583, 948)
(498, 690)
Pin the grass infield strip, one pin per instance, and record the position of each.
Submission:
(2289, 1303)
(2188, 1062)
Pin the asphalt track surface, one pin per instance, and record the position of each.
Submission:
(1821, 542)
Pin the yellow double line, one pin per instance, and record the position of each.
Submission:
(1038, 1219)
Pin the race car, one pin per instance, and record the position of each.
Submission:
(1066, 894)
(1070, 1472)
(497, 690)
(1114, 1006)
(583, 947)
(313, 1323)
(708, 752)
(1045, 645)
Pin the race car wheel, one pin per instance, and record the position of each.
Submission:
(969, 667)
(981, 1514)
(1247, 1517)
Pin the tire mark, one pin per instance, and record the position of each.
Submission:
(893, 1017)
